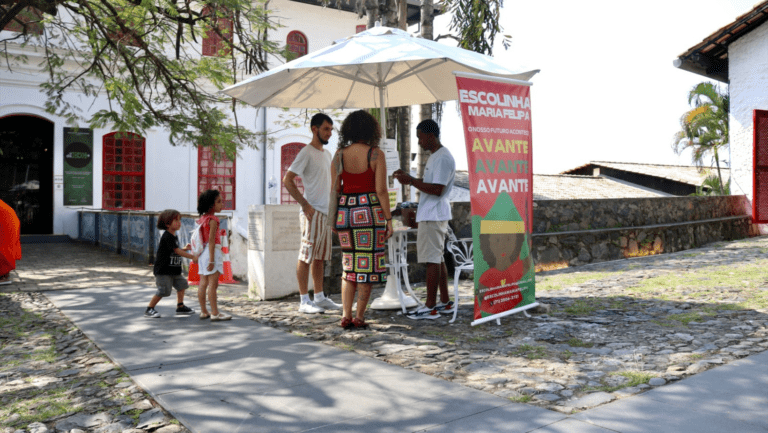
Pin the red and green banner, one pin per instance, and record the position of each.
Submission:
(497, 131)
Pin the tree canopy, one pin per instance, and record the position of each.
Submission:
(145, 56)
(704, 128)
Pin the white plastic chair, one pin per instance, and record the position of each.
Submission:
(463, 257)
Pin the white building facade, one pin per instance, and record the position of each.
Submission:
(737, 55)
(151, 174)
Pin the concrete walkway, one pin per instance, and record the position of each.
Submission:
(241, 376)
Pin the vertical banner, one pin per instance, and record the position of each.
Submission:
(78, 167)
(497, 131)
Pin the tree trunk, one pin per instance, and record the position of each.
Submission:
(372, 13)
(404, 114)
(427, 18)
(719, 175)
(388, 12)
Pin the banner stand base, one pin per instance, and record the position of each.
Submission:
(496, 317)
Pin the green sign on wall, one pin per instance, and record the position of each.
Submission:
(78, 167)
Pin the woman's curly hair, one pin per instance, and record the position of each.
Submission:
(360, 127)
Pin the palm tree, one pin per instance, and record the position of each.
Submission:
(704, 129)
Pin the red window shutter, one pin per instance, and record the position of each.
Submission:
(297, 42)
(213, 44)
(760, 172)
(30, 19)
(287, 155)
(123, 171)
(216, 171)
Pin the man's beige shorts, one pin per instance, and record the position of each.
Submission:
(430, 241)
(315, 238)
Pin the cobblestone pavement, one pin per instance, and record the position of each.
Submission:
(605, 331)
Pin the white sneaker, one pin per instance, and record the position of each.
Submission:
(310, 308)
(424, 313)
(327, 304)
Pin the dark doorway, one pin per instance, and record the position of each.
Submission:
(26, 164)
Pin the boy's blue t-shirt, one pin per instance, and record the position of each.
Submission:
(167, 262)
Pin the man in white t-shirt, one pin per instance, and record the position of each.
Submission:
(313, 164)
(433, 215)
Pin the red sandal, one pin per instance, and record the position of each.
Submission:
(359, 324)
(347, 323)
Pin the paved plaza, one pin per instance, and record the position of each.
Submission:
(263, 371)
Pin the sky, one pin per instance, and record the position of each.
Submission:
(607, 90)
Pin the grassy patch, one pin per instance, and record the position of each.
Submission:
(617, 303)
(712, 310)
(635, 378)
(42, 406)
(566, 355)
(686, 318)
(695, 356)
(530, 352)
(345, 346)
(560, 281)
(521, 399)
(7, 365)
(575, 342)
(17, 324)
(709, 283)
(448, 338)
(665, 324)
(48, 355)
(760, 300)
(581, 308)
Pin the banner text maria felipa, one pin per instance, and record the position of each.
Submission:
(519, 108)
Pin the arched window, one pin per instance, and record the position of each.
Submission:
(287, 155)
(213, 44)
(123, 168)
(129, 35)
(216, 171)
(28, 20)
(297, 42)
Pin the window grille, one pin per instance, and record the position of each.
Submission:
(760, 172)
(123, 159)
(297, 42)
(287, 155)
(29, 18)
(216, 171)
(213, 44)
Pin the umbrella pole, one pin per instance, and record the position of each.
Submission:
(382, 117)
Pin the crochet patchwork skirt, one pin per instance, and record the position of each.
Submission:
(362, 230)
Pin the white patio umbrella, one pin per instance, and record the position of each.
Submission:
(380, 67)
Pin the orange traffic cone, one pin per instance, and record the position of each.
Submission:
(226, 277)
(193, 277)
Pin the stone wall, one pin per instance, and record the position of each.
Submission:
(577, 232)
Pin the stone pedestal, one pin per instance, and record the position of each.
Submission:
(274, 234)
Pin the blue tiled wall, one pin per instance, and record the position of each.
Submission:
(132, 235)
